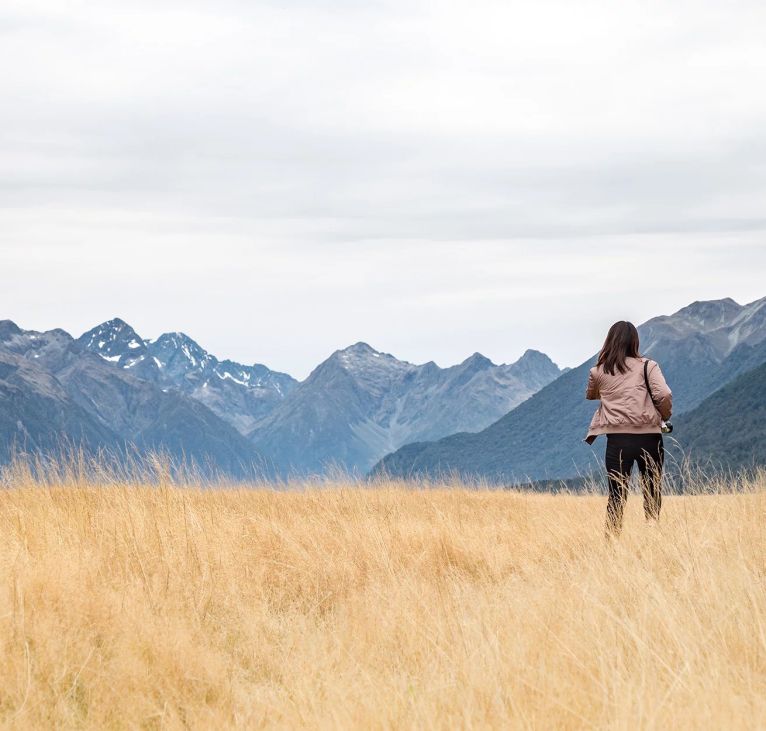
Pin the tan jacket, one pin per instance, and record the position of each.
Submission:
(626, 407)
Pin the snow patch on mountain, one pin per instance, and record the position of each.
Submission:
(240, 394)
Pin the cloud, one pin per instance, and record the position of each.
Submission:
(337, 164)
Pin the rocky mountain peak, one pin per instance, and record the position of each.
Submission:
(359, 348)
(711, 314)
(180, 349)
(477, 362)
(536, 365)
(533, 356)
(60, 333)
(8, 329)
(116, 328)
(722, 324)
(372, 372)
(113, 340)
(361, 355)
(535, 359)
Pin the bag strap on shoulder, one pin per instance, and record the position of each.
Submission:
(646, 380)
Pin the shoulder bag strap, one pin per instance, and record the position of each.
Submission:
(646, 381)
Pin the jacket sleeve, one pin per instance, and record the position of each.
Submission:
(592, 393)
(663, 396)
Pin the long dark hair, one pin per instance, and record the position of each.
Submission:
(621, 343)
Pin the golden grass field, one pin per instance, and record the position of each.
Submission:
(138, 606)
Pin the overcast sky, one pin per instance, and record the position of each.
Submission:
(282, 179)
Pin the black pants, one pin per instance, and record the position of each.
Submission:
(622, 450)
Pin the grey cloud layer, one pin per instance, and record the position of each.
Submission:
(337, 129)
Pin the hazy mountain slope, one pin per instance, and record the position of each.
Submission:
(539, 439)
(36, 412)
(152, 419)
(700, 348)
(326, 421)
(729, 427)
(468, 396)
(65, 392)
(743, 358)
(360, 404)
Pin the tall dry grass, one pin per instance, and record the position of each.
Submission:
(162, 606)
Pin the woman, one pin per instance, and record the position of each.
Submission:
(631, 416)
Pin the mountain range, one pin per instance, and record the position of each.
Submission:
(111, 389)
(360, 404)
(239, 394)
(56, 393)
(701, 348)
